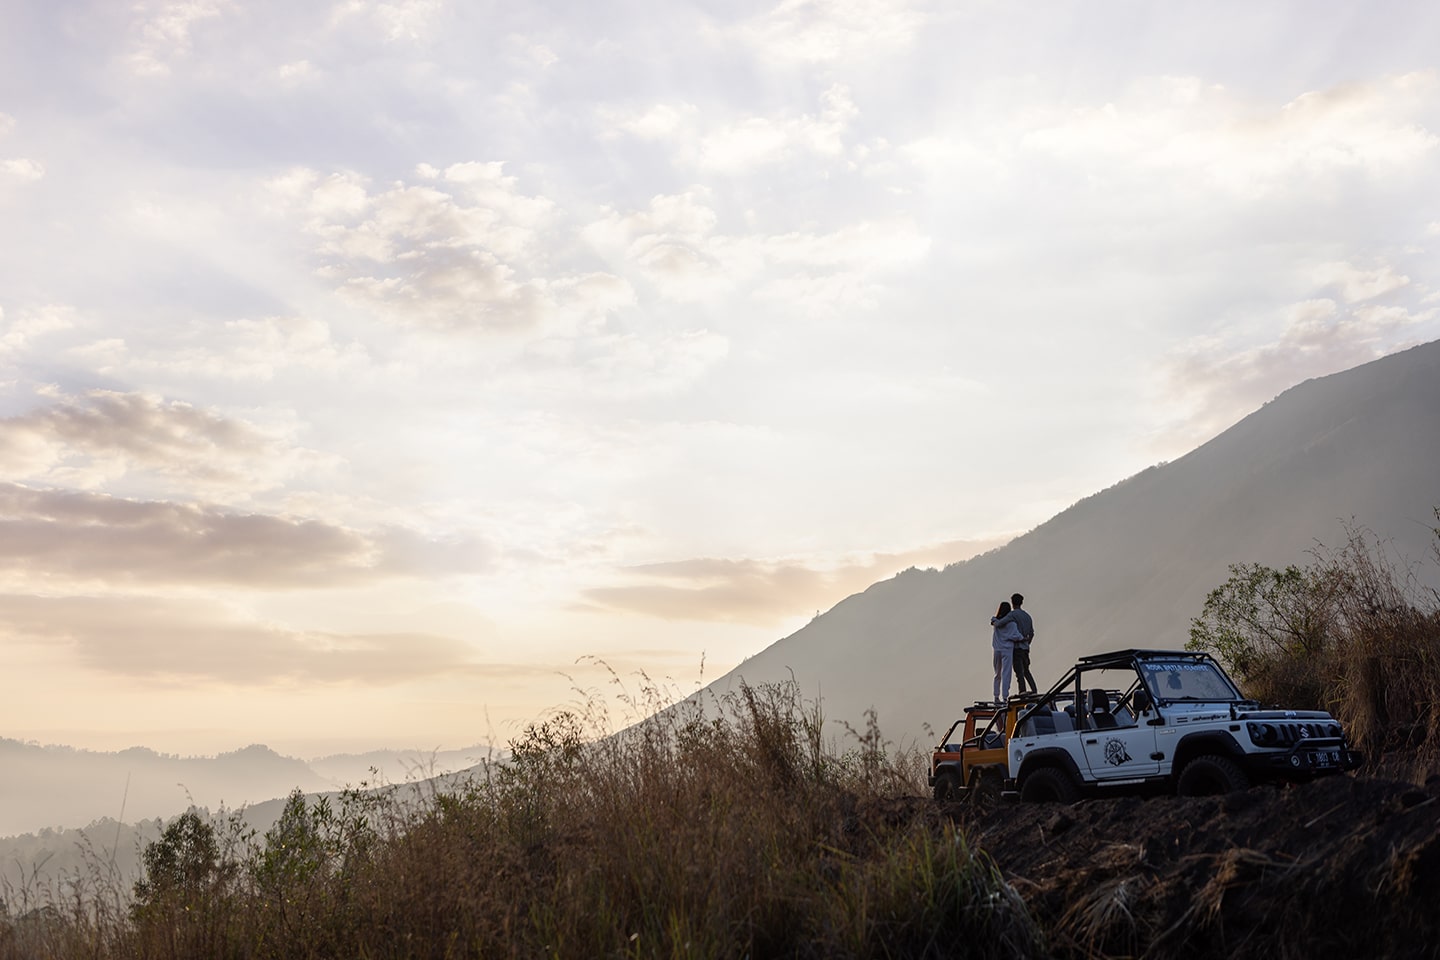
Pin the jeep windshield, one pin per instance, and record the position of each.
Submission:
(1187, 680)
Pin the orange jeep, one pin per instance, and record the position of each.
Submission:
(970, 758)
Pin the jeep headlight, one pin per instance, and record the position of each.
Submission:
(1263, 734)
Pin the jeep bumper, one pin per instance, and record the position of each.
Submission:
(1308, 758)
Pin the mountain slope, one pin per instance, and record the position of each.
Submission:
(1130, 566)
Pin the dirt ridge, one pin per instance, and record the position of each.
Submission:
(1342, 867)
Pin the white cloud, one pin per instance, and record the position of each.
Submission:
(540, 54)
(246, 349)
(162, 31)
(84, 541)
(1221, 378)
(661, 121)
(18, 335)
(674, 244)
(830, 31)
(758, 141)
(98, 437)
(627, 366)
(1356, 284)
(463, 252)
(669, 243)
(412, 20)
(741, 146)
(297, 71)
(1177, 125)
(22, 169)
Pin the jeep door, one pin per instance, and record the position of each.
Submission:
(1118, 745)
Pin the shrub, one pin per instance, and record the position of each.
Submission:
(1354, 632)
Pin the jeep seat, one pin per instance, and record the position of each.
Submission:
(1098, 703)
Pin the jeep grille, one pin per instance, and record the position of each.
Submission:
(1288, 734)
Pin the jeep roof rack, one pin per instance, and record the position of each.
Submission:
(1125, 656)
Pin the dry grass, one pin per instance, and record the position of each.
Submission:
(722, 830)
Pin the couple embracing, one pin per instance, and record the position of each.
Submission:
(1010, 644)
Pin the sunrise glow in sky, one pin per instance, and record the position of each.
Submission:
(364, 364)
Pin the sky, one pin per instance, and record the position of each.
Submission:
(389, 374)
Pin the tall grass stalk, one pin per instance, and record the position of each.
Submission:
(723, 828)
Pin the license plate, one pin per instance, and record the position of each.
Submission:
(1325, 758)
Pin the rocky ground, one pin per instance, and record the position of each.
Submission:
(1341, 867)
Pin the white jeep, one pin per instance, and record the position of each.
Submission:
(1162, 721)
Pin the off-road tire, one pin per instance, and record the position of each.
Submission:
(986, 784)
(1048, 785)
(947, 786)
(1210, 775)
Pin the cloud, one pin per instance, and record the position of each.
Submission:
(102, 435)
(758, 141)
(741, 146)
(1173, 126)
(762, 593)
(673, 244)
(1356, 284)
(661, 121)
(22, 169)
(669, 243)
(19, 335)
(831, 31)
(1220, 381)
(411, 20)
(625, 365)
(246, 349)
(170, 640)
(56, 537)
(162, 32)
(463, 251)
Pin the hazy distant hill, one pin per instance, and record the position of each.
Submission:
(397, 766)
(1132, 565)
(53, 786)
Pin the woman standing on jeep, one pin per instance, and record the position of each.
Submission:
(1002, 646)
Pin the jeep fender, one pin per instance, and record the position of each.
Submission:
(1219, 742)
(942, 766)
(1052, 757)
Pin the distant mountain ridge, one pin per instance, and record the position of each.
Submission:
(1131, 565)
(58, 786)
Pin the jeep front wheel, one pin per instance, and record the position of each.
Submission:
(1048, 785)
(1210, 775)
(947, 786)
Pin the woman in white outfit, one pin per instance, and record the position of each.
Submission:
(1002, 645)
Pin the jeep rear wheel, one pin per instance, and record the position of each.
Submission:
(985, 786)
(947, 785)
(1210, 775)
(1048, 785)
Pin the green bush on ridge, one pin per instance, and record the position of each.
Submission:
(1353, 632)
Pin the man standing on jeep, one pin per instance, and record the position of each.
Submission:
(1022, 619)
